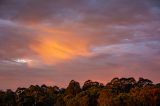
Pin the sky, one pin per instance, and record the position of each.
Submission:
(54, 41)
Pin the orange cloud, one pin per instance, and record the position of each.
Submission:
(51, 50)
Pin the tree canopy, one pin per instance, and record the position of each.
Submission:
(118, 92)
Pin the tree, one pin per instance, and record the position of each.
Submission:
(28, 101)
(121, 85)
(144, 82)
(73, 88)
(2, 95)
(123, 99)
(10, 98)
(89, 84)
(105, 97)
(118, 92)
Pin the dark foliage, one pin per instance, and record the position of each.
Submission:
(118, 92)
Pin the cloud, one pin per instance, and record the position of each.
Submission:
(78, 39)
(52, 50)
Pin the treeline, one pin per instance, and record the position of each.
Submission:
(118, 92)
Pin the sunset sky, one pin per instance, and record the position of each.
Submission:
(54, 41)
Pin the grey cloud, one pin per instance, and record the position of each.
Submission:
(132, 25)
(102, 11)
(14, 39)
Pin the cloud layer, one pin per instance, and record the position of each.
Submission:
(78, 39)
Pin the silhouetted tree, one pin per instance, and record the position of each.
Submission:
(88, 84)
(144, 82)
(118, 92)
(10, 98)
(73, 88)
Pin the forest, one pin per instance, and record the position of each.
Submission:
(117, 92)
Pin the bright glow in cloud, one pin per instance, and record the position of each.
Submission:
(32, 63)
(52, 51)
(22, 61)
